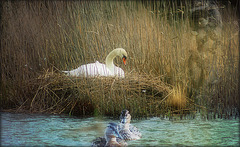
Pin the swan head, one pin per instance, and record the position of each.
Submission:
(112, 131)
(125, 117)
(122, 54)
(117, 52)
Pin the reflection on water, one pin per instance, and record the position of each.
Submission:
(32, 129)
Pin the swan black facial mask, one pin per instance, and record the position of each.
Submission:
(124, 59)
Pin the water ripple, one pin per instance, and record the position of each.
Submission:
(52, 130)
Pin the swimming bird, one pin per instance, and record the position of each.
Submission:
(126, 130)
(99, 69)
(112, 138)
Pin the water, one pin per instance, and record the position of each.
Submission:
(52, 130)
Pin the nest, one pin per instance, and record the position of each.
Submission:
(143, 95)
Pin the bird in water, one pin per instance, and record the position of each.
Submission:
(126, 130)
(112, 138)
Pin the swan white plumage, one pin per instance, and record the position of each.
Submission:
(99, 69)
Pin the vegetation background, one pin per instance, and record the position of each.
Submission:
(41, 38)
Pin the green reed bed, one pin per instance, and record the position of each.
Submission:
(39, 39)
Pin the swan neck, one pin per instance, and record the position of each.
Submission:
(109, 60)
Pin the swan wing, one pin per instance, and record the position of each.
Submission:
(118, 72)
(90, 70)
(102, 70)
(80, 71)
(75, 72)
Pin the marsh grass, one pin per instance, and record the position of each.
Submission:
(42, 38)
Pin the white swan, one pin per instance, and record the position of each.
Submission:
(99, 69)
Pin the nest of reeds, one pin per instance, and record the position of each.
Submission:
(143, 95)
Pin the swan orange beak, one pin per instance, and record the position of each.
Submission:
(124, 60)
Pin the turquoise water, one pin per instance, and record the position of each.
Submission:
(52, 130)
